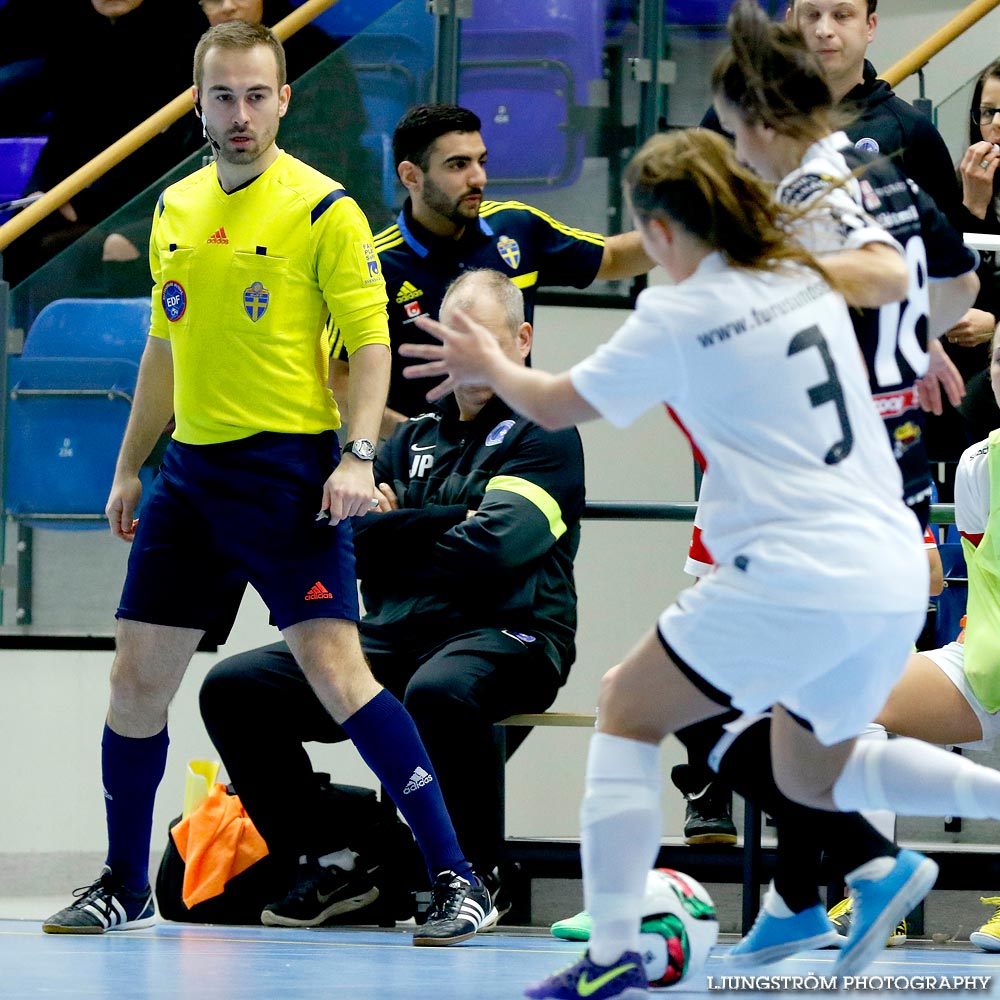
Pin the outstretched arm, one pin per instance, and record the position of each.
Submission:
(624, 257)
(469, 354)
(870, 276)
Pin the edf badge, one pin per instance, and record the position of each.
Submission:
(255, 300)
(174, 300)
(510, 252)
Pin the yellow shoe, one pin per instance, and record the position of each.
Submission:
(840, 914)
(988, 936)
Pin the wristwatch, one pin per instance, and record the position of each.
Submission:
(362, 448)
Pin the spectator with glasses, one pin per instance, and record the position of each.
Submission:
(980, 177)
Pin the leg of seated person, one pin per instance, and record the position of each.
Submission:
(925, 704)
(455, 696)
(329, 652)
(259, 709)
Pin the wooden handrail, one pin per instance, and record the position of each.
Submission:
(139, 136)
(933, 44)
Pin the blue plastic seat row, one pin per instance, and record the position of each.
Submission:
(69, 395)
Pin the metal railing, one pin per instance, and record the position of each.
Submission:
(181, 105)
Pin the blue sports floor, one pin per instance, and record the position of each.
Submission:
(257, 963)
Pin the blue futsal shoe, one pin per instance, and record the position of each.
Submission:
(622, 980)
(879, 905)
(773, 938)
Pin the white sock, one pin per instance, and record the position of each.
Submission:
(884, 820)
(775, 905)
(914, 778)
(343, 859)
(620, 824)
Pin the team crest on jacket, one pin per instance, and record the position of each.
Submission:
(498, 433)
(867, 145)
(255, 300)
(510, 252)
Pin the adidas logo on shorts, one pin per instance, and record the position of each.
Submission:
(418, 779)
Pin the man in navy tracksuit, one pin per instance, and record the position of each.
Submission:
(467, 578)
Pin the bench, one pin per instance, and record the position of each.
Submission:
(964, 867)
(527, 858)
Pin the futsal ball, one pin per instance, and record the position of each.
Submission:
(679, 927)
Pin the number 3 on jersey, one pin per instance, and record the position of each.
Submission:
(829, 391)
(902, 326)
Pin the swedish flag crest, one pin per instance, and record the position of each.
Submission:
(510, 252)
(255, 300)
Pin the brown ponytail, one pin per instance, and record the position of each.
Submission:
(692, 177)
(769, 76)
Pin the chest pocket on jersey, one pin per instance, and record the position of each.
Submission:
(175, 269)
(256, 292)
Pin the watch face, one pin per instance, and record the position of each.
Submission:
(363, 448)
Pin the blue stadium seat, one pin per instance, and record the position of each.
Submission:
(17, 160)
(349, 17)
(697, 11)
(393, 61)
(69, 395)
(526, 70)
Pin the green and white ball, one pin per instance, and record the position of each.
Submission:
(679, 927)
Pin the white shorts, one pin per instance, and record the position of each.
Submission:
(951, 661)
(833, 668)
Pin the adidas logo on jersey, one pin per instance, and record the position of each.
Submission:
(219, 236)
(418, 779)
(317, 592)
(407, 293)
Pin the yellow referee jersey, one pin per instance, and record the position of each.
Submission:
(243, 286)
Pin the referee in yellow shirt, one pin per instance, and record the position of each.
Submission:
(250, 256)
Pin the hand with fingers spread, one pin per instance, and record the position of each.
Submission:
(468, 354)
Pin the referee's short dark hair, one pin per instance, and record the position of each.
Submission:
(422, 125)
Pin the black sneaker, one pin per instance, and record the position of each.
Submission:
(501, 900)
(106, 905)
(319, 894)
(708, 817)
(461, 906)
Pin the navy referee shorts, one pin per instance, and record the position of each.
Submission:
(220, 516)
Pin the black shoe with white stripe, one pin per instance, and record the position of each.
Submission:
(461, 906)
(104, 906)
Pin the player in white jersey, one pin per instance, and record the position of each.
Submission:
(758, 358)
(772, 96)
